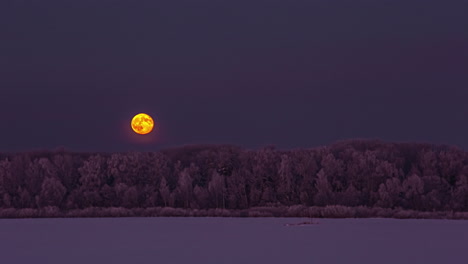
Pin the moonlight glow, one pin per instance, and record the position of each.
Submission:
(142, 124)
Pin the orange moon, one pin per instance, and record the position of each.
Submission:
(142, 124)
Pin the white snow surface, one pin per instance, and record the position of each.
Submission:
(232, 240)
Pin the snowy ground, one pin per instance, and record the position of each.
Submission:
(231, 240)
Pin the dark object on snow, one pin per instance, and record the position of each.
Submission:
(303, 223)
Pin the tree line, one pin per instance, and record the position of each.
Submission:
(369, 173)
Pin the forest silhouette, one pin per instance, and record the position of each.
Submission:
(353, 178)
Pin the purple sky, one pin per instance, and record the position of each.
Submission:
(294, 73)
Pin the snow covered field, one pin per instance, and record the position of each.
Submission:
(231, 240)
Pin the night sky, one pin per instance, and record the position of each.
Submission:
(292, 73)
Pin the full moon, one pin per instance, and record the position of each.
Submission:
(142, 124)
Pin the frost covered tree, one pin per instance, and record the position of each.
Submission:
(391, 193)
(91, 180)
(185, 188)
(324, 194)
(164, 191)
(52, 193)
(413, 188)
(286, 181)
(217, 189)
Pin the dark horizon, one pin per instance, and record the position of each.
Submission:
(294, 74)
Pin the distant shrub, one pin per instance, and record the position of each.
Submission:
(363, 211)
(334, 211)
(244, 213)
(337, 211)
(295, 210)
(27, 213)
(9, 213)
(460, 215)
(405, 214)
(151, 212)
(50, 211)
(169, 211)
(255, 213)
(381, 212)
